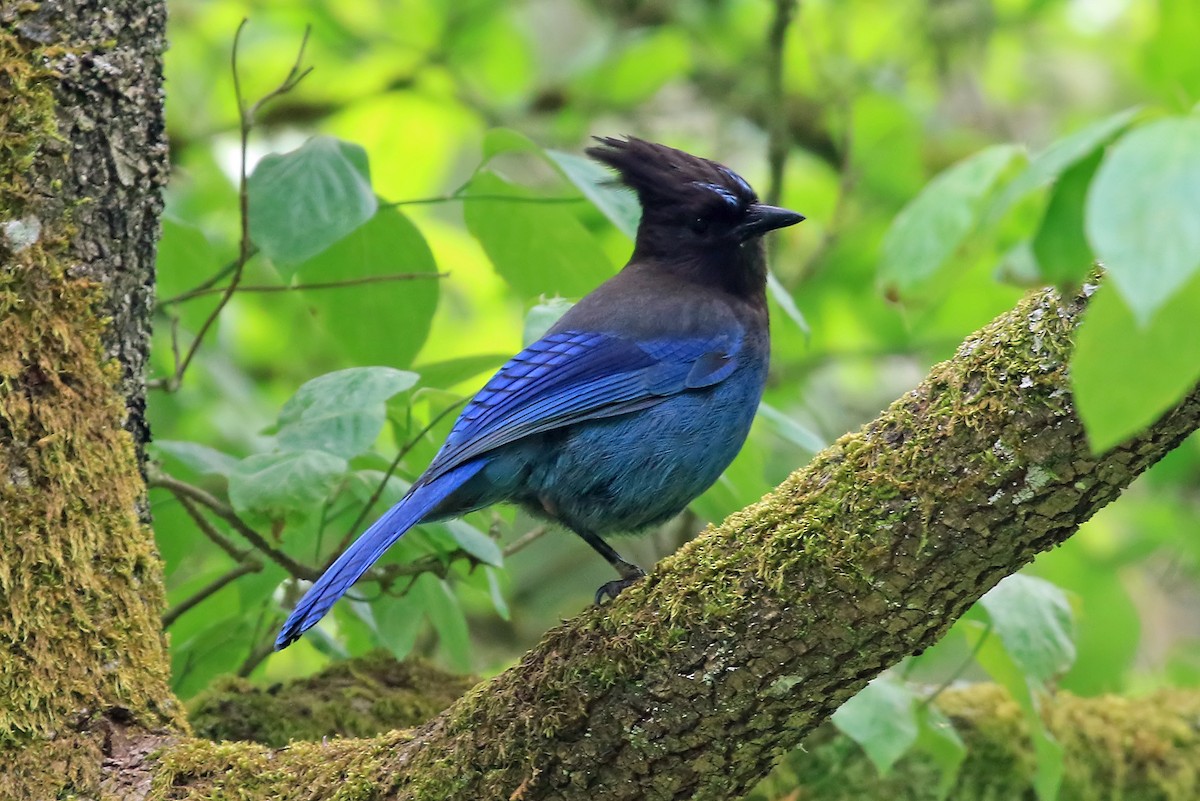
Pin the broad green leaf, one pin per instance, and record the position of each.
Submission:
(1000, 663)
(385, 322)
(302, 202)
(1033, 620)
(280, 485)
(539, 248)
(199, 458)
(474, 542)
(1060, 247)
(398, 622)
(1125, 375)
(931, 228)
(938, 738)
(1060, 156)
(882, 719)
(439, 602)
(506, 140)
(341, 412)
(449, 372)
(599, 185)
(542, 316)
(1143, 213)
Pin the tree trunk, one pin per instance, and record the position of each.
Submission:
(82, 161)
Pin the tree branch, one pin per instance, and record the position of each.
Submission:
(741, 643)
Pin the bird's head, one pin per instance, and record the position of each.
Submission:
(690, 204)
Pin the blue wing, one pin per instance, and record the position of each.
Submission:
(571, 376)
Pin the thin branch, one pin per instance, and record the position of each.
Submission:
(425, 201)
(966, 663)
(251, 565)
(246, 249)
(181, 489)
(777, 123)
(349, 282)
(524, 540)
(404, 451)
(224, 543)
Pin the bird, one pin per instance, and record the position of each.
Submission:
(633, 403)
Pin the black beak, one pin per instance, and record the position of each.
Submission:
(761, 218)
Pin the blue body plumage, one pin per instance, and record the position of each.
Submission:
(633, 403)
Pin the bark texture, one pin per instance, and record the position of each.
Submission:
(82, 161)
(739, 645)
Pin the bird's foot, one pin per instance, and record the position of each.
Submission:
(612, 589)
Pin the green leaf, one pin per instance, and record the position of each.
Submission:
(1125, 375)
(449, 372)
(789, 429)
(341, 412)
(882, 719)
(199, 458)
(398, 622)
(1033, 620)
(1060, 247)
(378, 323)
(542, 316)
(539, 248)
(496, 594)
(1060, 156)
(1001, 663)
(1143, 213)
(441, 605)
(938, 738)
(787, 303)
(302, 202)
(931, 228)
(599, 185)
(281, 485)
(474, 542)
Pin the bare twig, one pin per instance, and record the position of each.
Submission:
(349, 282)
(245, 247)
(777, 122)
(251, 565)
(525, 539)
(220, 540)
(966, 663)
(426, 201)
(181, 489)
(404, 451)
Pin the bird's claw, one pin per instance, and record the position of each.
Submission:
(613, 588)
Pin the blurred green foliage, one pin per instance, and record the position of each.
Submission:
(425, 203)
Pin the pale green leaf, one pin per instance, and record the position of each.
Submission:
(302, 202)
(1143, 213)
(341, 412)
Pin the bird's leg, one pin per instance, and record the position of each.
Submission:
(628, 570)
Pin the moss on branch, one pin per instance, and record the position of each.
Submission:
(740, 644)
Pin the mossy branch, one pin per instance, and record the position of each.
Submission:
(739, 645)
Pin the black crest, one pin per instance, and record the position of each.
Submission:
(667, 179)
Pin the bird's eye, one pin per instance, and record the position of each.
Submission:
(698, 225)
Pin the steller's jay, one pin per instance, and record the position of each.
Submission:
(634, 402)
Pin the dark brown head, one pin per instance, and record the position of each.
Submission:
(692, 208)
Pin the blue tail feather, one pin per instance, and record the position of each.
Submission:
(356, 559)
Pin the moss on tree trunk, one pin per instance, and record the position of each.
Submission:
(81, 163)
